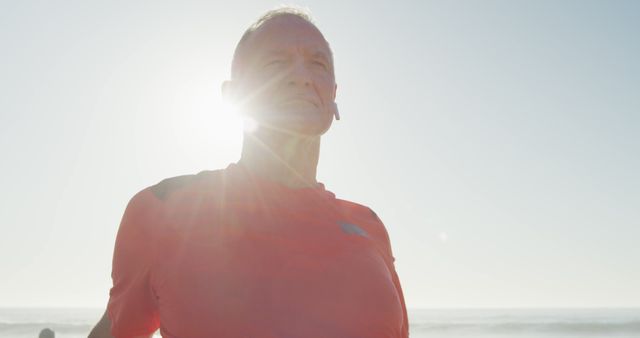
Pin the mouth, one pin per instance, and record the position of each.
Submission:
(297, 100)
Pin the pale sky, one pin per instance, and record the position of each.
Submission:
(497, 140)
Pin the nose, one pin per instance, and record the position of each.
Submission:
(299, 75)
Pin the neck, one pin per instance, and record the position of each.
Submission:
(291, 160)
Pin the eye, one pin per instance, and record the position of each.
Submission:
(276, 62)
(320, 64)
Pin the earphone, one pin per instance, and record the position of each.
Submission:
(336, 113)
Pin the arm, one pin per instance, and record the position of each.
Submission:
(386, 243)
(103, 329)
(405, 322)
(132, 311)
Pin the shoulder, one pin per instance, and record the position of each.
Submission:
(151, 202)
(363, 216)
(172, 186)
(169, 185)
(357, 210)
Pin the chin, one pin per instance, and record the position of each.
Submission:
(301, 127)
(311, 129)
(312, 124)
(304, 123)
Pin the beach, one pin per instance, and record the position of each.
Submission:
(424, 323)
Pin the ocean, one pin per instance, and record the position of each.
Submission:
(440, 323)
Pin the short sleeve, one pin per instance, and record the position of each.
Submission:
(386, 243)
(132, 305)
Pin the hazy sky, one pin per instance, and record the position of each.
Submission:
(497, 140)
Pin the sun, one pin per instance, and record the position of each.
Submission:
(225, 122)
(206, 129)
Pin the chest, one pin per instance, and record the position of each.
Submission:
(283, 273)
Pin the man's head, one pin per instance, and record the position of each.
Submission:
(282, 74)
(47, 333)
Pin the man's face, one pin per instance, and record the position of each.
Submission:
(286, 79)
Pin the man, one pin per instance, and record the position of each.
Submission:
(259, 249)
(47, 333)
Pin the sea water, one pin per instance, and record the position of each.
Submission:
(525, 323)
(424, 323)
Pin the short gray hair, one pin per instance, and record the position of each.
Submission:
(299, 12)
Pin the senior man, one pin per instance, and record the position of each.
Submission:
(260, 248)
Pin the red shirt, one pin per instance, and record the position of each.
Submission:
(228, 254)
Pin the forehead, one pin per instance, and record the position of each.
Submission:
(286, 32)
